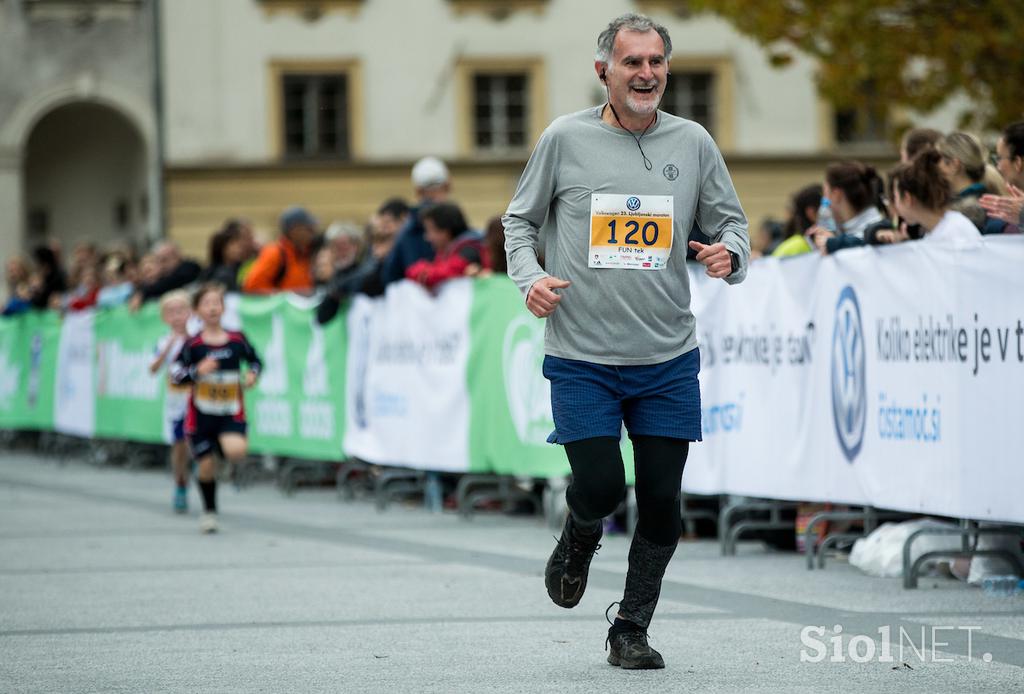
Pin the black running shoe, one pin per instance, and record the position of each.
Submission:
(630, 651)
(566, 573)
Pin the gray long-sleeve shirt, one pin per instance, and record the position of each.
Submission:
(619, 316)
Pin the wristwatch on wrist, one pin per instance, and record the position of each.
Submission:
(735, 261)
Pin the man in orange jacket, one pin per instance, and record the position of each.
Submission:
(286, 264)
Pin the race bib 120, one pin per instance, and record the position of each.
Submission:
(633, 232)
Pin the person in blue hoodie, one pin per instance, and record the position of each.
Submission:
(432, 181)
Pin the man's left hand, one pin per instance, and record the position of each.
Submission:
(714, 257)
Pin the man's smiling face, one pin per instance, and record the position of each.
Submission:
(637, 71)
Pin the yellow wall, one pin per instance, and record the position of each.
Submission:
(199, 200)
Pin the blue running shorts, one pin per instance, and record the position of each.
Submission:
(589, 400)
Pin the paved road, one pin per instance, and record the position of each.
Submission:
(103, 589)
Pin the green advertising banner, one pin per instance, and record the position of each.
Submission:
(28, 366)
(510, 400)
(129, 400)
(298, 406)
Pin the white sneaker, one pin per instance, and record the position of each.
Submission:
(207, 522)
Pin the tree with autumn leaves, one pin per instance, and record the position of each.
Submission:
(907, 53)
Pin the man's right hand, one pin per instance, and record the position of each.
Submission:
(541, 299)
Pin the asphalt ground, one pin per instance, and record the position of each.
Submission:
(104, 589)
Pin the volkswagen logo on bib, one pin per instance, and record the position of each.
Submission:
(633, 203)
(849, 386)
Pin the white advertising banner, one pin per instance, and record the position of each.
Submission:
(75, 391)
(407, 399)
(890, 377)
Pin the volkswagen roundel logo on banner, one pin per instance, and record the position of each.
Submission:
(633, 204)
(849, 385)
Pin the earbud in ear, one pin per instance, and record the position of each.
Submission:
(604, 76)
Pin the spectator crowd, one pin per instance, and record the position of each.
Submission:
(947, 186)
(428, 242)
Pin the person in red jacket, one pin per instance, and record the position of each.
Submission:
(84, 295)
(458, 251)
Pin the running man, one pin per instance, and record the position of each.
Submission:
(175, 309)
(215, 422)
(620, 186)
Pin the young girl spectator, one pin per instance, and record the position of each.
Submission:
(458, 252)
(803, 213)
(963, 164)
(921, 196)
(215, 420)
(855, 192)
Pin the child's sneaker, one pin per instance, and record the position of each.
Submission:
(207, 523)
(181, 500)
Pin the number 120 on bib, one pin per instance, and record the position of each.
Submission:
(631, 232)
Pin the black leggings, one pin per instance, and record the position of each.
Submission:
(599, 482)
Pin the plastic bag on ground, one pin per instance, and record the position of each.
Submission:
(881, 552)
(983, 567)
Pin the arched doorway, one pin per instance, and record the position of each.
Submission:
(85, 177)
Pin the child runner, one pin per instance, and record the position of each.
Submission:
(215, 421)
(175, 308)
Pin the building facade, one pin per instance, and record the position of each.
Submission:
(79, 158)
(132, 119)
(328, 102)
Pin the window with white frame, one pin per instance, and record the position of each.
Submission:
(315, 118)
(501, 110)
(691, 95)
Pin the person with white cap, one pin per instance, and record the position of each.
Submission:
(432, 181)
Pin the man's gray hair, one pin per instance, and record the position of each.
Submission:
(629, 22)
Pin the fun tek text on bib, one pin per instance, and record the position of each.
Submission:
(632, 232)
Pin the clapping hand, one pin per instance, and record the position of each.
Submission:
(1004, 207)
